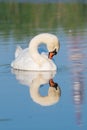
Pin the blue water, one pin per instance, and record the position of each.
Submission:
(17, 108)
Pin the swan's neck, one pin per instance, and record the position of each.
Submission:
(33, 47)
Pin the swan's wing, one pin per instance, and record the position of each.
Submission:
(23, 61)
(18, 51)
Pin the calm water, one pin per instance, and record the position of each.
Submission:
(18, 108)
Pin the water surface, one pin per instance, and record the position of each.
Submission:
(19, 22)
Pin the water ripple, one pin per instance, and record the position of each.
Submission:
(4, 68)
(5, 119)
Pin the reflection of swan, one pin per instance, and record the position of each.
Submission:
(30, 59)
(34, 80)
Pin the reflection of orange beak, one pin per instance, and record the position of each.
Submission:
(51, 54)
(52, 84)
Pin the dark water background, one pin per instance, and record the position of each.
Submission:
(19, 22)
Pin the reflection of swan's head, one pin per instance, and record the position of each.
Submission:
(34, 80)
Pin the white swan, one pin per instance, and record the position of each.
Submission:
(34, 80)
(31, 59)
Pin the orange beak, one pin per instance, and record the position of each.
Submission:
(51, 54)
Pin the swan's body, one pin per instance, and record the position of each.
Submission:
(30, 59)
(34, 80)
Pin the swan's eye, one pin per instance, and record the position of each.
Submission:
(55, 52)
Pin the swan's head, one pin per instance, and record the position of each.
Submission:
(53, 47)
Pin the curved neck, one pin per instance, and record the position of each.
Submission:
(34, 88)
(35, 95)
(42, 100)
(35, 42)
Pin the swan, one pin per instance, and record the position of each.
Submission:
(30, 59)
(34, 80)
